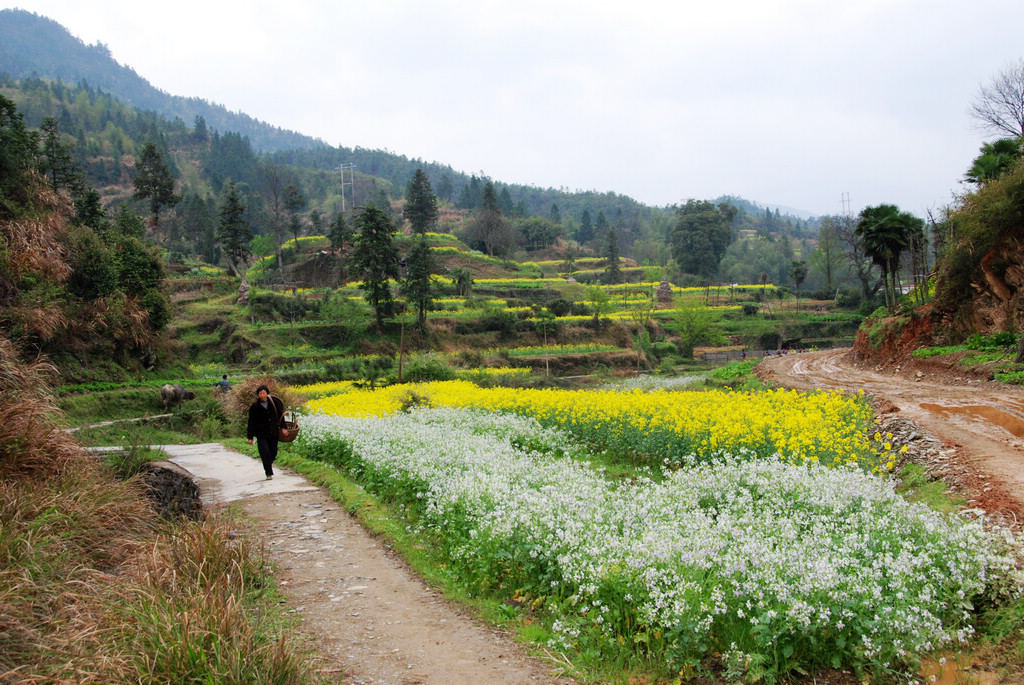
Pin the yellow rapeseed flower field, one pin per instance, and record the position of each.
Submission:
(662, 426)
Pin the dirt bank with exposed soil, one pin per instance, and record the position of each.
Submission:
(980, 422)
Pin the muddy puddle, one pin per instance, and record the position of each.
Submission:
(983, 412)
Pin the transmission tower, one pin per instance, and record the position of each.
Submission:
(351, 183)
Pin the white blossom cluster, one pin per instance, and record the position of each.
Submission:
(738, 556)
(655, 383)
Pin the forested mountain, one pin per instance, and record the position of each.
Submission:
(105, 115)
(31, 45)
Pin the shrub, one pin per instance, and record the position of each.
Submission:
(663, 349)
(421, 368)
(498, 320)
(560, 307)
(997, 341)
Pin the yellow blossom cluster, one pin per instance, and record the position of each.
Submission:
(825, 427)
(321, 389)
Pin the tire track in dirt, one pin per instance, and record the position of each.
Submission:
(982, 420)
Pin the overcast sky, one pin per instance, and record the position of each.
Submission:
(794, 103)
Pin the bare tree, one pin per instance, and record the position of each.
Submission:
(273, 181)
(845, 228)
(999, 106)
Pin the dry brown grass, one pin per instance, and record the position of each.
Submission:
(95, 589)
(65, 524)
(35, 244)
(34, 250)
(188, 614)
(30, 442)
(243, 394)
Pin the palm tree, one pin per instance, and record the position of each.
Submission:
(995, 159)
(887, 233)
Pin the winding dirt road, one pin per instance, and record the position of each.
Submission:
(982, 420)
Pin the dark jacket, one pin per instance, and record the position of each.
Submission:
(264, 422)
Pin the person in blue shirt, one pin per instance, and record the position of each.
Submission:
(223, 385)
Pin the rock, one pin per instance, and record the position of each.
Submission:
(173, 492)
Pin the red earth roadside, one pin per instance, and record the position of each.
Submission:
(981, 422)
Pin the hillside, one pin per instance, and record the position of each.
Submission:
(34, 46)
(555, 242)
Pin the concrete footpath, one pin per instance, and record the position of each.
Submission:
(224, 475)
(371, 619)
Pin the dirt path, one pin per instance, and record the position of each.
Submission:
(982, 420)
(374, 621)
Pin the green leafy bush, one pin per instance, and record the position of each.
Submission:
(996, 341)
(422, 368)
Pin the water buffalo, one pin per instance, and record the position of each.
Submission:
(172, 395)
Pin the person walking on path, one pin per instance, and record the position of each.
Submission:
(264, 421)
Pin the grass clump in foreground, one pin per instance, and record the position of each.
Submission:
(96, 589)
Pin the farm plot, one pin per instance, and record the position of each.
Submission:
(786, 553)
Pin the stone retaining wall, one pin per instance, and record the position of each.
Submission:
(172, 490)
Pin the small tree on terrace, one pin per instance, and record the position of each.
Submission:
(272, 182)
(294, 201)
(416, 285)
(462, 279)
(696, 327)
(488, 228)
(798, 273)
(642, 312)
(828, 257)
(600, 303)
(340, 235)
(375, 258)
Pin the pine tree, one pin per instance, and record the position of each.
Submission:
(154, 181)
(416, 286)
(57, 161)
(17, 150)
(585, 233)
(233, 231)
(612, 270)
(420, 203)
(376, 259)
